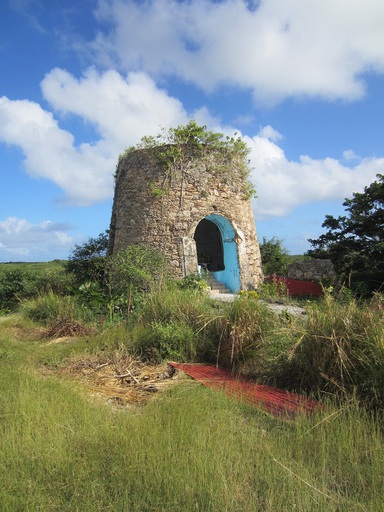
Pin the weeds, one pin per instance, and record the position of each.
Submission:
(189, 449)
(339, 350)
(62, 315)
(242, 331)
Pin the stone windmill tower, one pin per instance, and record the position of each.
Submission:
(190, 201)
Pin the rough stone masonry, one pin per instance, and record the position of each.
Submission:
(198, 217)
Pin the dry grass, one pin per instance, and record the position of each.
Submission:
(63, 328)
(119, 380)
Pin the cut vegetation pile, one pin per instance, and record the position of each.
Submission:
(119, 381)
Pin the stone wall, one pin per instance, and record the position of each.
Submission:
(312, 270)
(162, 211)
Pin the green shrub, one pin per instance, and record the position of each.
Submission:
(274, 256)
(48, 307)
(135, 269)
(21, 283)
(63, 315)
(173, 340)
(173, 323)
(87, 261)
(193, 282)
(11, 286)
(186, 304)
(273, 291)
(186, 324)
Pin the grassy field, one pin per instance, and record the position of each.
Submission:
(34, 266)
(189, 449)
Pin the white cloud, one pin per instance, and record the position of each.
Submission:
(279, 49)
(20, 239)
(121, 111)
(84, 173)
(282, 185)
(269, 133)
(124, 109)
(349, 155)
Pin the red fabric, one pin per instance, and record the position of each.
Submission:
(275, 401)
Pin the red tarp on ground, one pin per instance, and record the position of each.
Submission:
(275, 401)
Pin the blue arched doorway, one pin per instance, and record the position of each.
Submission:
(217, 250)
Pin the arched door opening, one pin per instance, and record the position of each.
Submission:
(209, 246)
(216, 248)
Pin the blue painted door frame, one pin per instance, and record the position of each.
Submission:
(230, 276)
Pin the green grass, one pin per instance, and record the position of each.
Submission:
(39, 266)
(20, 281)
(190, 449)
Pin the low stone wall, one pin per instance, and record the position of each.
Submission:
(312, 270)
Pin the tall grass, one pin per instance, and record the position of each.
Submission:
(62, 315)
(187, 325)
(189, 449)
(338, 349)
(20, 281)
(172, 324)
(242, 332)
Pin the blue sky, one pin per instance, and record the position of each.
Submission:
(302, 81)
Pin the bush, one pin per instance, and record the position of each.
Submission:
(273, 290)
(17, 284)
(11, 286)
(174, 323)
(174, 340)
(47, 308)
(135, 269)
(193, 282)
(274, 257)
(87, 261)
(187, 325)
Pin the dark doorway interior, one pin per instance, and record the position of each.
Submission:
(209, 245)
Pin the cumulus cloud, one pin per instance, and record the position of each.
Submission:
(121, 110)
(20, 239)
(83, 172)
(269, 133)
(282, 185)
(276, 49)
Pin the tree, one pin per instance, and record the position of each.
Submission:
(355, 242)
(274, 256)
(87, 261)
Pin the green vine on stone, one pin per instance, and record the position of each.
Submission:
(179, 144)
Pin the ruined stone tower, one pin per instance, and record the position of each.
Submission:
(200, 215)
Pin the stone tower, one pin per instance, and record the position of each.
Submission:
(198, 216)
